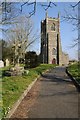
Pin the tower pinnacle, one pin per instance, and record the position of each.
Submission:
(46, 14)
(58, 15)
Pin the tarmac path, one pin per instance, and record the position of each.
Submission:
(52, 96)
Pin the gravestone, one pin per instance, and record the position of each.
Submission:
(1, 64)
(7, 62)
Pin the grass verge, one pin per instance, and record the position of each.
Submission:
(14, 86)
(75, 71)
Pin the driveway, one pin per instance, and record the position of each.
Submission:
(52, 96)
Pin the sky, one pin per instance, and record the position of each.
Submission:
(67, 32)
(66, 29)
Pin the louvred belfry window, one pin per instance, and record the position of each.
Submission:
(53, 27)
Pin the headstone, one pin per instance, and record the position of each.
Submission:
(1, 64)
(7, 62)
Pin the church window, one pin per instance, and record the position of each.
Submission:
(54, 51)
(53, 27)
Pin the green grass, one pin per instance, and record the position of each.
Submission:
(14, 86)
(75, 71)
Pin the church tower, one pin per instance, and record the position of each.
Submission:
(51, 50)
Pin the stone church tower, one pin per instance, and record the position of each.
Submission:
(51, 50)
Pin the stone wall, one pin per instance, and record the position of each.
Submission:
(65, 59)
(51, 46)
(51, 49)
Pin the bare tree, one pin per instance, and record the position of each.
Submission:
(21, 36)
(74, 18)
(9, 11)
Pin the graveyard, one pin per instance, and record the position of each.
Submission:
(29, 54)
(14, 86)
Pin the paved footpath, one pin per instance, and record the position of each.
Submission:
(53, 96)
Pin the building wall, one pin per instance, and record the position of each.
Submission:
(51, 49)
(44, 49)
(65, 59)
(52, 31)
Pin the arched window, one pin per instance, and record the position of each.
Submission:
(53, 27)
(54, 51)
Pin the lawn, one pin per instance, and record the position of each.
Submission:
(14, 86)
(75, 71)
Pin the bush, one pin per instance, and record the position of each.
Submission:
(31, 60)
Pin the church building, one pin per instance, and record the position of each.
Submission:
(51, 50)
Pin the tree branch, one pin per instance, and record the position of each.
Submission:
(50, 5)
(73, 6)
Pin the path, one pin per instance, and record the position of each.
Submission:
(53, 96)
